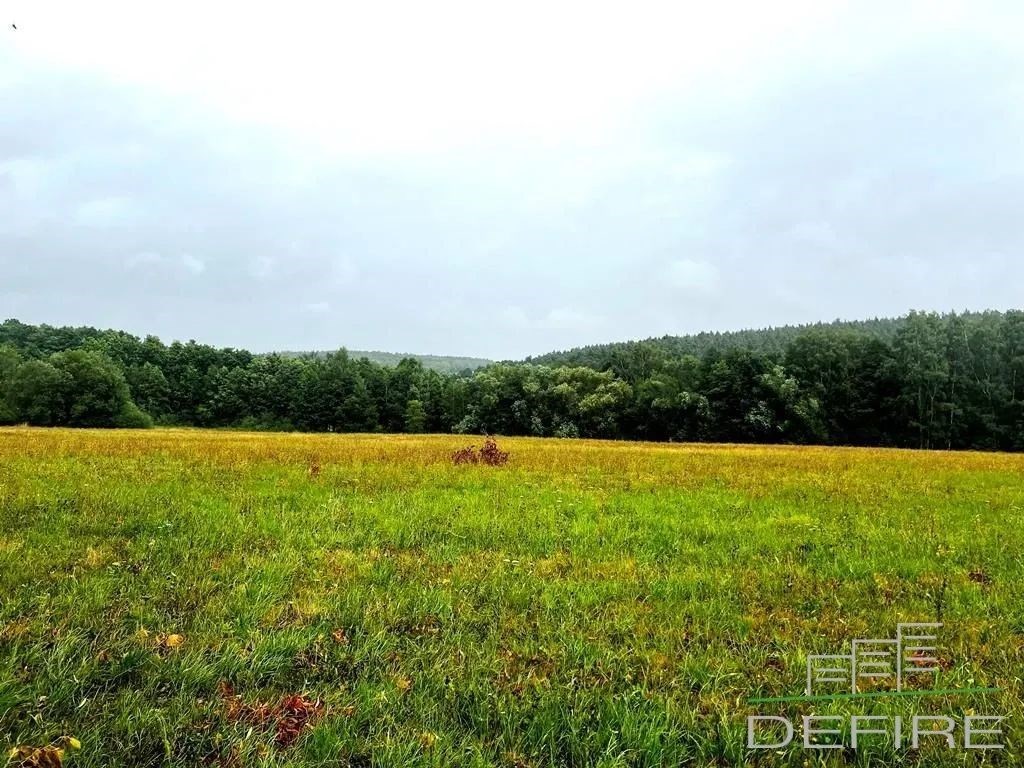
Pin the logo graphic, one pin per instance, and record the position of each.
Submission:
(874, 661)
(875, 668)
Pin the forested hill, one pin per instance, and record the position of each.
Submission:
(772, 341)
(439, 363)
(39, 340)
(924, 381)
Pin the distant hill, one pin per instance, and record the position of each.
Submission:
(439, 363)
(766, 340)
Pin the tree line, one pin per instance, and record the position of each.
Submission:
(924, 380)
(770, 341)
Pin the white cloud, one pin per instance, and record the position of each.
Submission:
(343, 271)
(817, 233)
(699, 164)
(27, 175)
(450, 73)
(508, 158)
(569, 319)
(105, 212)
(262, 267)
(557, 319)
(186, 262)
(143, 258)
(515, 318)
(694, 276)
(193, 264)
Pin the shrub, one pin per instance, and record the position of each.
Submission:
(567, 429)
(467, 455)
(465, 426)
(133, 417)
(490, 454)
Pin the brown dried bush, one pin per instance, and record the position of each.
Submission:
(490, 454)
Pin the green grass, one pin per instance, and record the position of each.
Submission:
(589, 603)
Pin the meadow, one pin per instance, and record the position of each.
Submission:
(189, 597)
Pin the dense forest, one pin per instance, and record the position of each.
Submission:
(924, 380)
(773, 341)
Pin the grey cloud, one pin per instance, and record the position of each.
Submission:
(822, 192)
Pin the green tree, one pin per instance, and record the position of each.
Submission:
(38, 393)
(149, 388)
(9, 362)
(922, 365)
(358, 411)
(415, 417)
(95, 393)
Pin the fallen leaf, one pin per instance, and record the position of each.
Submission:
(289, 718)
(50, 756)
(979, 576)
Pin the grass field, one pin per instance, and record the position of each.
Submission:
(217, 598)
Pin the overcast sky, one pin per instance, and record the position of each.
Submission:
(453, 179)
